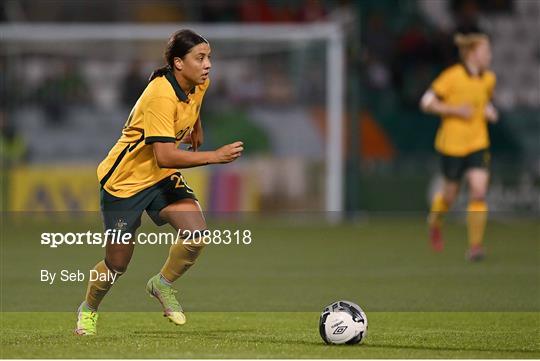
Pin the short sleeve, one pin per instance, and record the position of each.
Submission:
(159, 121)
(442, 85)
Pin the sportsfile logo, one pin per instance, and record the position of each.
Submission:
(121, 236)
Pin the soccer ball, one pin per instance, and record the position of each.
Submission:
(343, 322)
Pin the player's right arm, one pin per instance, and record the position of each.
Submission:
(432, 101)
(431, 104)
(168, 156)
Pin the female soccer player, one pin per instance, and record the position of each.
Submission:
(140, 173)
(461, 96)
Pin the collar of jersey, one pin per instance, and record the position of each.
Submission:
(177, 90)
(468, 71)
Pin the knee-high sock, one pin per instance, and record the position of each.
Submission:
(476, 222)
(182, 256)
(97, 289)
(438, 208)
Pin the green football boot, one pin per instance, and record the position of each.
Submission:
(86, 321)
(165, 295)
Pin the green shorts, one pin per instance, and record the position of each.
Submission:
(125, 213)
(454, 168)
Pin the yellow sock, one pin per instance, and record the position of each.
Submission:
(476, 222)
(98, 289)
(438, 208)
(182, 256)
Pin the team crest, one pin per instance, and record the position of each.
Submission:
(121, 225)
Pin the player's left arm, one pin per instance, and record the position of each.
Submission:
(197, 135)
(490, 112)
(195, 138)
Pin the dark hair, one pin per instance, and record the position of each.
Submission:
(179, 44)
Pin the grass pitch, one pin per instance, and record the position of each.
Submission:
(272, 335)
(263, 300)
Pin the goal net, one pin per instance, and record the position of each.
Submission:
(68, 90)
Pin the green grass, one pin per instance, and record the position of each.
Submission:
(272, 335)
(263, 300)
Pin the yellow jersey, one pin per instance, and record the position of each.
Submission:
(457, 86)
(163, 113)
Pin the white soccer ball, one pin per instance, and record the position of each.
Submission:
(343, 322)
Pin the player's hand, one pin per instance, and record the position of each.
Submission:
(492, 115)
(463, 111)
(229, 152)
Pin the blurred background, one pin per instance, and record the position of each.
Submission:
(72, 71)
(63, 103)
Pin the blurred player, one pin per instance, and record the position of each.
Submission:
(140, 174)
(461, 96)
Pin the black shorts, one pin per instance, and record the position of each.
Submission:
(453, 168)
(125, 213)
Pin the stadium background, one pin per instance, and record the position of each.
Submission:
(63, 107)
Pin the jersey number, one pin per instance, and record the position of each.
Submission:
(180, 183)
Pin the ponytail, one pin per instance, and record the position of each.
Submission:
(159, 72)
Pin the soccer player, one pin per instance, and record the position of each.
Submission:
(140, 174)
(461, 96)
